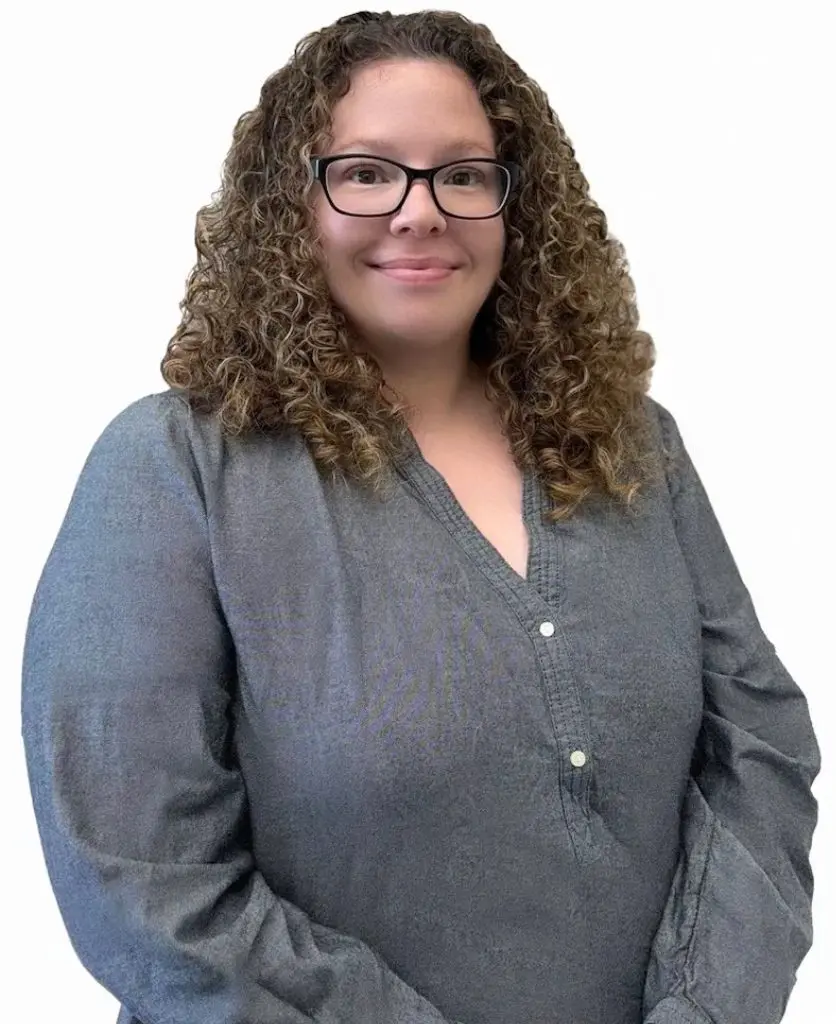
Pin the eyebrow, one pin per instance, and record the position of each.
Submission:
(378, 146)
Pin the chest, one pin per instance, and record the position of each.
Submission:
(488, 485)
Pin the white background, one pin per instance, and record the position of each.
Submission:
(706, 134)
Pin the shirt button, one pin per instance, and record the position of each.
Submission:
(547, 628)
(578, 758)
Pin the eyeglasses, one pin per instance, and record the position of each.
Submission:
(360, 185)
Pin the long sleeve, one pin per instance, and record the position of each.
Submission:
(141, 809)
(738, 920)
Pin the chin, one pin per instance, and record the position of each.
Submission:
(416, 331)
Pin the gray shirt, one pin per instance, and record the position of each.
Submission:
(297, 754)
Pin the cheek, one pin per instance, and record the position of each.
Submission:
(488, 244)
(474, 236)
(499, 242)
(343, 238)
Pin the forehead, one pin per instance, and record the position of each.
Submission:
(410, 105)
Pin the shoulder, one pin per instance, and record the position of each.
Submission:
(664, 424)
(669, 443)
(157, 427)
(153, 418)
(165, 433)
(660, 416)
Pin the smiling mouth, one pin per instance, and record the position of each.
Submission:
(415, 274)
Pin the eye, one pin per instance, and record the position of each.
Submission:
(369, 171)
(349, 173)
(464, 176)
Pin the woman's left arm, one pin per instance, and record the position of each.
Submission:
(738, 920)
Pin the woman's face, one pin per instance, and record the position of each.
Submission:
(420, 113)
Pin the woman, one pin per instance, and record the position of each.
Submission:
(391, 666)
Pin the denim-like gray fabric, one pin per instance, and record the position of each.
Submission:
(299, 755)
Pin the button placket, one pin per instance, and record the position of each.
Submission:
(577, 758)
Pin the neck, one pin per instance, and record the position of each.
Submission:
(437, 395)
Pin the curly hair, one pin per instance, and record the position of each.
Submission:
(262, 344)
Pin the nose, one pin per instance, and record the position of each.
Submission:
(419, 211)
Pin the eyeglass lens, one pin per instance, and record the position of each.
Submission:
(373, 186)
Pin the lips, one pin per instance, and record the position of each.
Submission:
(416, 275)
(415, 263)
(416, 270)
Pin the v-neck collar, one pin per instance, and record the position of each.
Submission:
(540, 581)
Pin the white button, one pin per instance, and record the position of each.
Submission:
(578, 758)
(547, 628)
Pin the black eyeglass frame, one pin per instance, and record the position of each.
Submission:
(319, 167)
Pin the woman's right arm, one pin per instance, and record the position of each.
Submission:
(140, 806)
